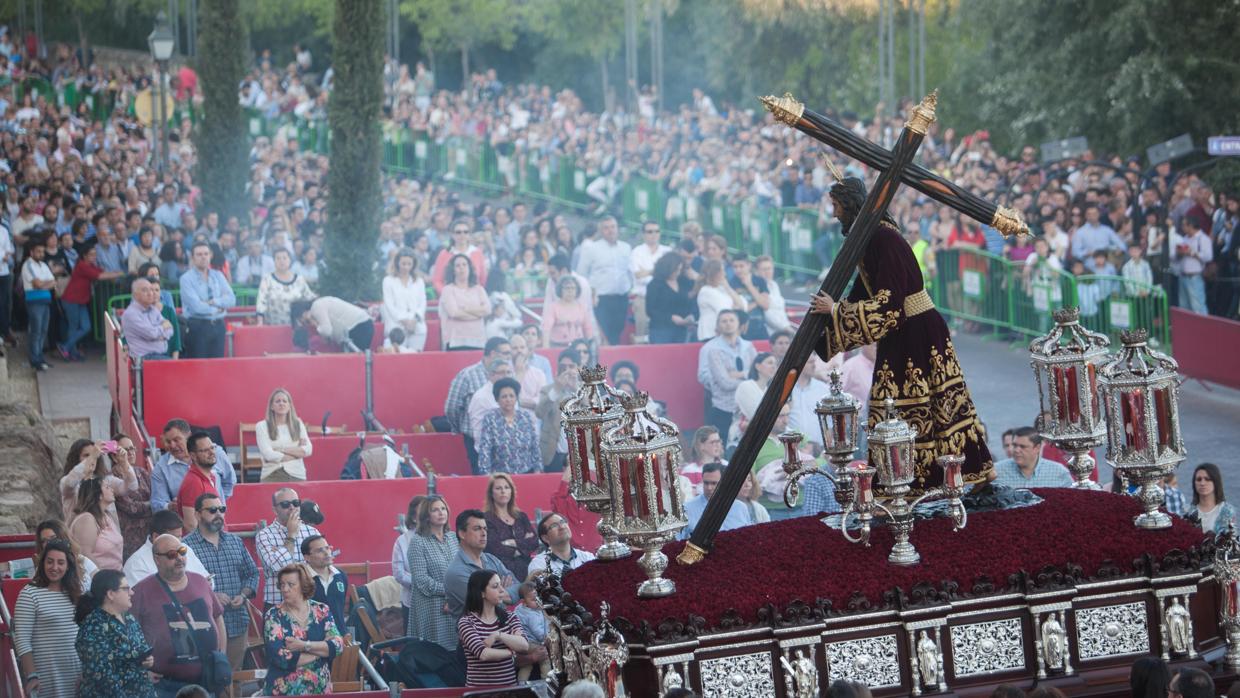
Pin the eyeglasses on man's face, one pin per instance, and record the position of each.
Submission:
(290, 503)
(174, 553)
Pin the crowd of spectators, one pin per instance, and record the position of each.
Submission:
(88, 211)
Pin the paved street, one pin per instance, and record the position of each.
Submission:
(1001, 380)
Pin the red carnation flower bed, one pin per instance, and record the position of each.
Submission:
(803, 559)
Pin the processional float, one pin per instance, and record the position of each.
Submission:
(1059, 625)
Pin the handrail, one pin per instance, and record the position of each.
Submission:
(371, 673)
(14, 668)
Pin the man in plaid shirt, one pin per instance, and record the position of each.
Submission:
(279, 543)
(463, 387)
(1174, 498)
(232, 570)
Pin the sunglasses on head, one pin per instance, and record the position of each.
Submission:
(289, 504)
(174, 553)
(215, 510)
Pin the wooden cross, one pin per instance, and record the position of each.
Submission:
(896, 166)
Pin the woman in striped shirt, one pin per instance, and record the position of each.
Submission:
(43, 629)
(490, 636)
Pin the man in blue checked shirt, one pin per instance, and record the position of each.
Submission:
(1027, 469)
(205, 299)
(233, 572)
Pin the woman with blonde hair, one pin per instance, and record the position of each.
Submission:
(283, 440)
(404, 300)
(510, 535)
(95, 533)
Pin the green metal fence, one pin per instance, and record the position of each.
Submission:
(992, 294)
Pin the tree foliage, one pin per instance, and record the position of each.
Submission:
(1126, 73)
(354, 203)
(223, 168)
(463, 25)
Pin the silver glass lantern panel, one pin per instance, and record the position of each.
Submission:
(643, 456)
(838, 415)
(891, 448)
(588, 415)
(1140, 388)
(1065, 363)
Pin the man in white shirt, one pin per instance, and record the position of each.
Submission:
(776, 314)
(557, 267)
(805, 395)
(641, 263)
(141, 564)
(254, 265)
(557, 535)
(483, 399)
(1191, 256)
(8, 254)
(605, 263)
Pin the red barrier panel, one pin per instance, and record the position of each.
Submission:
(261, 340)
(360, 515)
(669, 373)
(16, 546)
(1200, 342)
(445, 451)
(225, 393)
(11, 588)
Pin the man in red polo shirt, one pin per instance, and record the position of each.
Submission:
(200, 478)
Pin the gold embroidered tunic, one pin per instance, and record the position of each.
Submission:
(915, 364)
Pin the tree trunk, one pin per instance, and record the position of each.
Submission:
(223, 168)
(354, 202)
(81, 30)
(464, 66)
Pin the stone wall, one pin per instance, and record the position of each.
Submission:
(30, 453)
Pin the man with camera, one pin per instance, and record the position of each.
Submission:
(279, 544)
(232, 569)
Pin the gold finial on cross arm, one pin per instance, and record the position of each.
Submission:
(786, 109)
(1009, 222)
(923, 114)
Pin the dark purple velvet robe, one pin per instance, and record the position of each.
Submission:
(916, 363)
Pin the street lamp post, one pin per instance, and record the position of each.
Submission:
(162, 42)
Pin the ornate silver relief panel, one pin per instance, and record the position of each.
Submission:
(1107, 631)
(873, 661)
(985, 648)
(741, 676)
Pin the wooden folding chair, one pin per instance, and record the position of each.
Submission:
(346, 676)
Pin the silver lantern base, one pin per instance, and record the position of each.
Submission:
(1151, 496)
(1080, 464)
(612, 548)
(653, 562)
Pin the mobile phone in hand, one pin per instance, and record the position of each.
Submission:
(109, 447)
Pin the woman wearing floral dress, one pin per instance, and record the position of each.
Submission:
(278, 290)
(431, 549)
(508, 439)
(43, 629)
(301, 638)
(115, 655)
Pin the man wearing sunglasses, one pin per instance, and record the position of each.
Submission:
(141, 564)
(279, 544)
(168, 624)
(232, 569)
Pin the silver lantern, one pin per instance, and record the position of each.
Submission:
(838, 417)
(1140, 388)
(588, 415)
(1227, 570)
(1065, 362)
(643, 455)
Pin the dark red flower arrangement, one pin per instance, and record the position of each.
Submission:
(804, 560)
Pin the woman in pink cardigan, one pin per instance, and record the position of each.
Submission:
(463, 308)
(565, 319)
